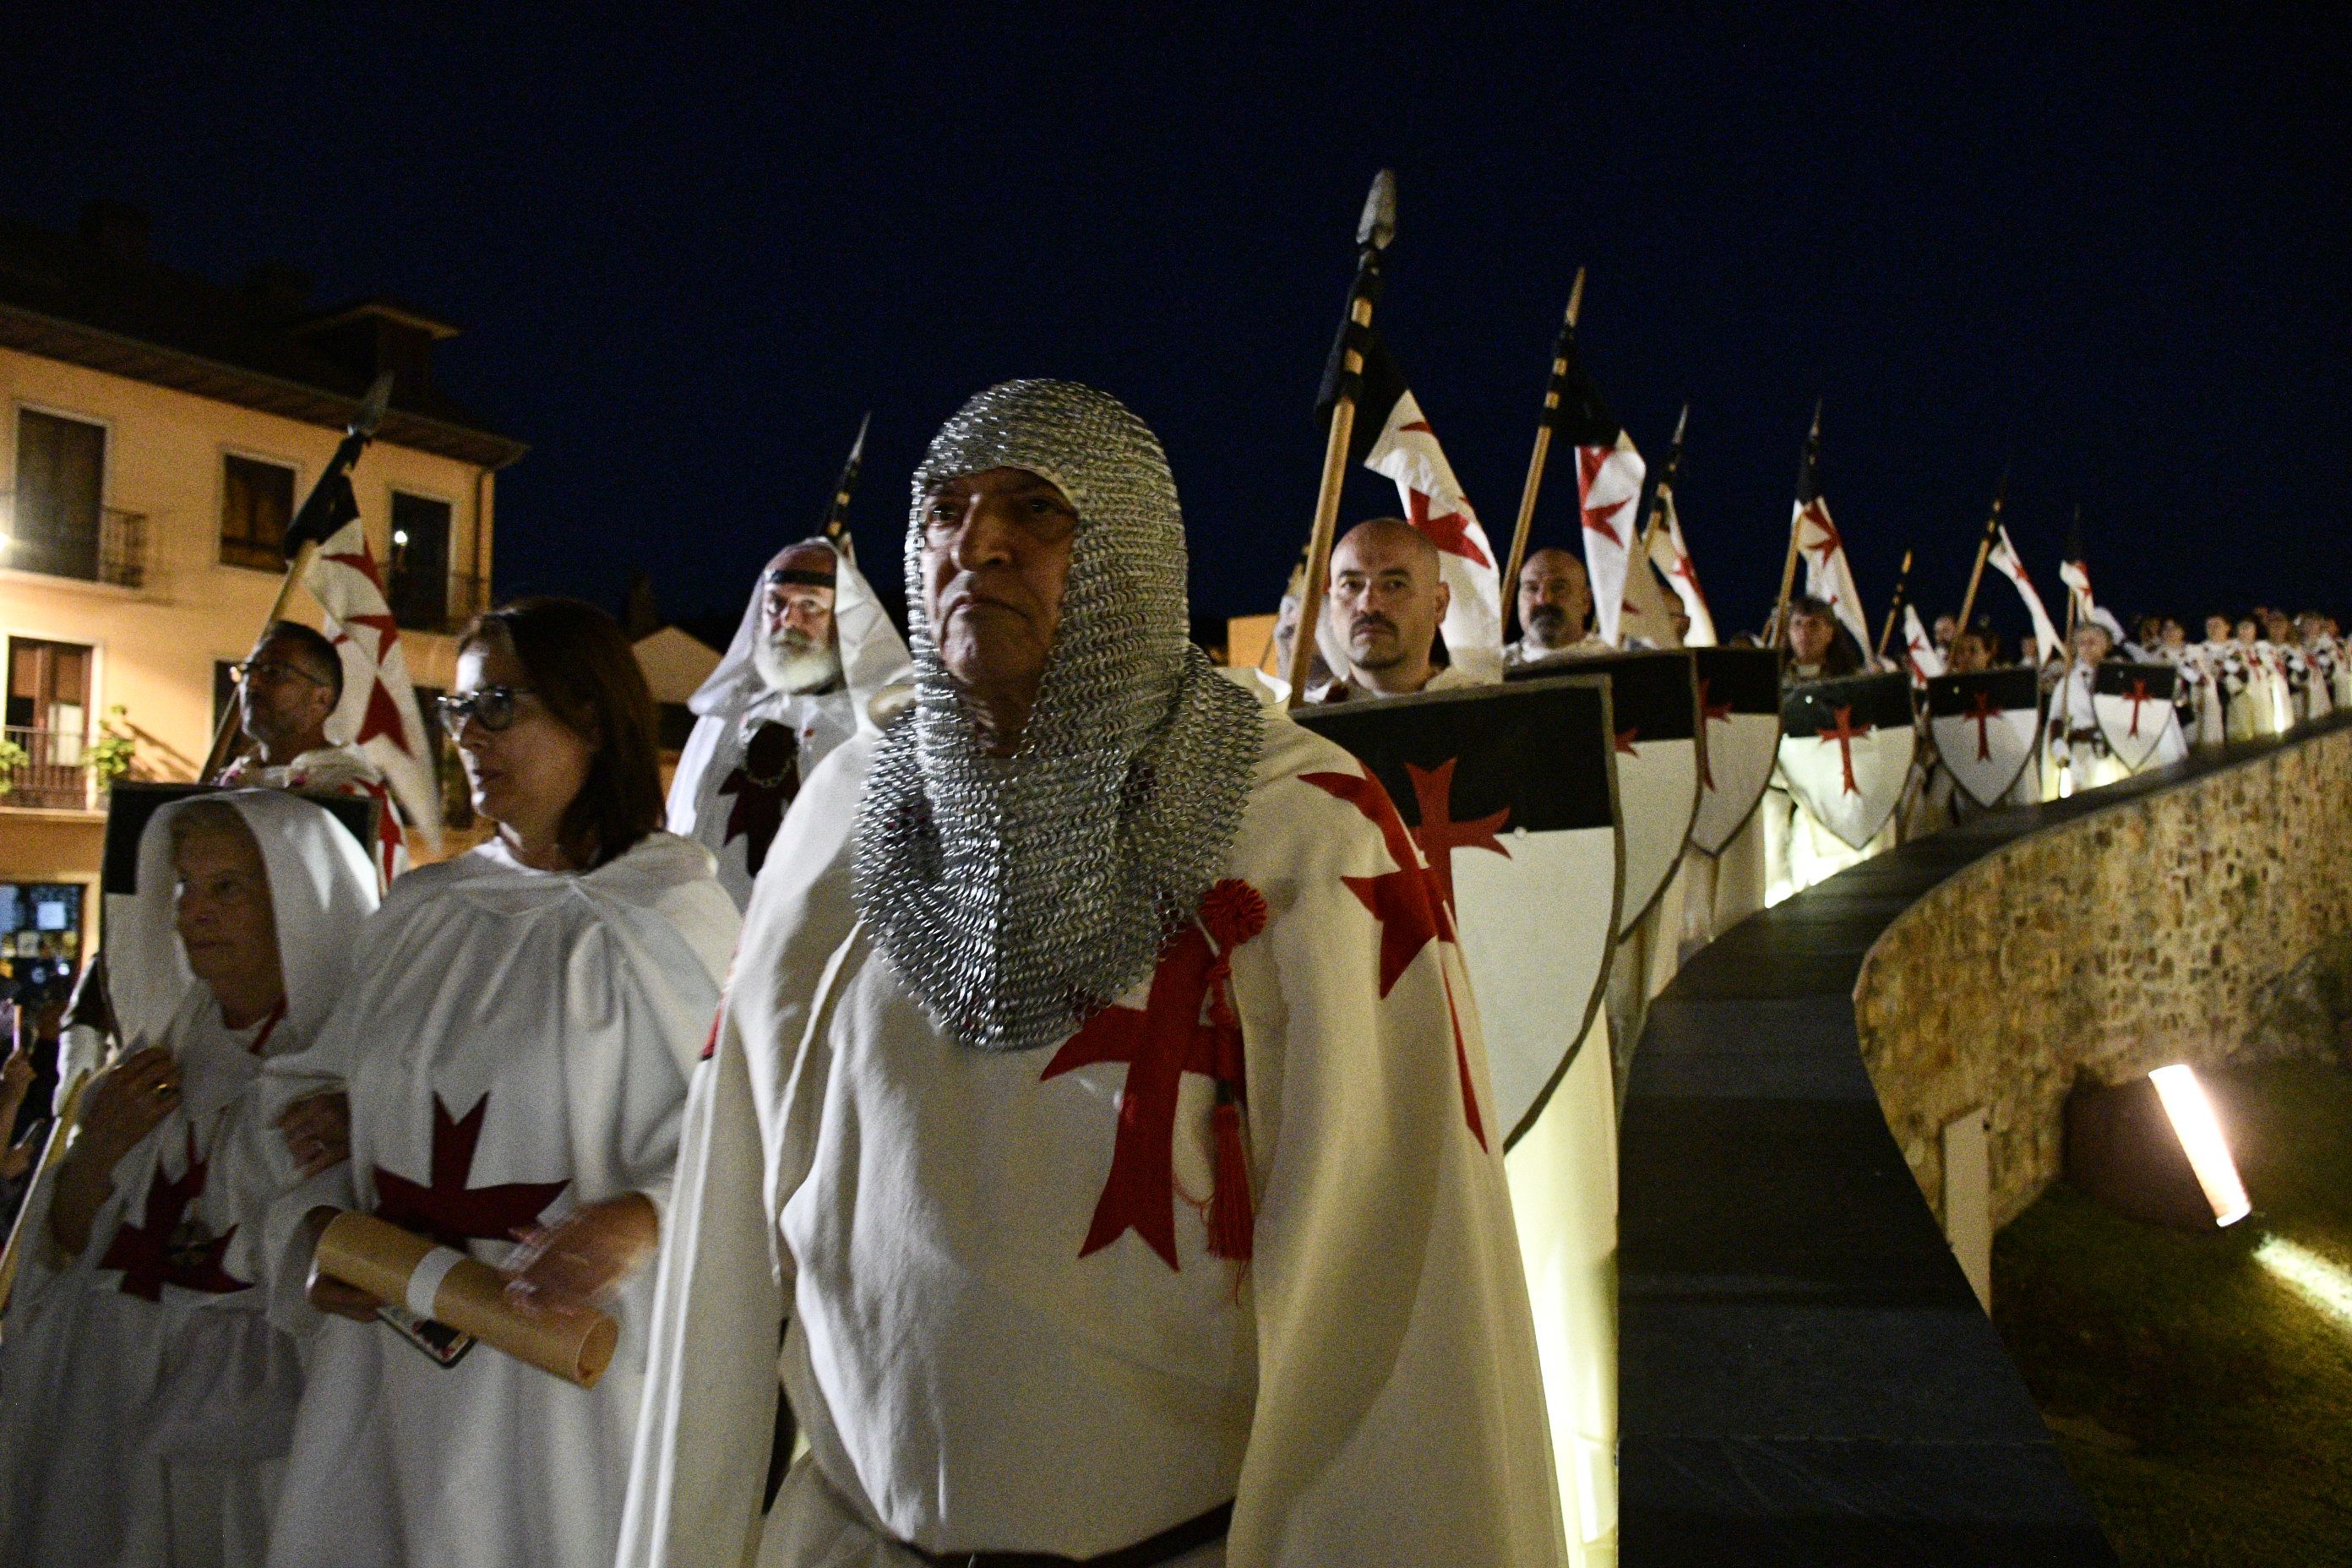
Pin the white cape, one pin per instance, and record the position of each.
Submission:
(973, 1373)
(517, 1045)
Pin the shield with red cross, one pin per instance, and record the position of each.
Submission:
(1984, 724)
(1510, 792)
(1739, 738)
(1847, 749)
(1654, 698)
(2133, 705)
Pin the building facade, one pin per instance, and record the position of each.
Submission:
(156, 433)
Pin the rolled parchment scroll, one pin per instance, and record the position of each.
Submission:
(447, 1286)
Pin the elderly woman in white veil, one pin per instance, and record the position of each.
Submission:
(146, 1397)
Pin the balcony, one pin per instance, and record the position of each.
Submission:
(112, 548)
(54, 774)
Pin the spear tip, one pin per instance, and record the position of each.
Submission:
(1681, 420)
(1377, 227)
(857, 448)
(371, 407)
(1576, 297)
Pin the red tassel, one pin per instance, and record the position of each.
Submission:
(1232, 1220)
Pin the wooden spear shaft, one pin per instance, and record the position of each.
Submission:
(1788, 580)
(1902, 579)
(1327, 514)
(1984, 549)
(1539, 457)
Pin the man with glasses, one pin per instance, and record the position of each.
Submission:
(287, 688)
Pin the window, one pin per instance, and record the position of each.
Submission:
(256, 503)
(47, 716)
(419, 586)
(61, 479)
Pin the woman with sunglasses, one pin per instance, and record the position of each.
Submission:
(516, 1051)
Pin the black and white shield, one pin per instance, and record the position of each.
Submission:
(1984, 725)
(1739, 739)
(1655, 698)
(2133, 705)
(1847, 748)
(1510, 792)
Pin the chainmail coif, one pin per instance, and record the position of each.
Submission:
(1014, 896)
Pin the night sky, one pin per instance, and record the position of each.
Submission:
(688, 255)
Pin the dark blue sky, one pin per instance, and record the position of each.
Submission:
(689, 254)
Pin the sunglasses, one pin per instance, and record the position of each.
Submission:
(271, 669)
(491, 707)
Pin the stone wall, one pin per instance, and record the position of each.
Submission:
(2208, 921)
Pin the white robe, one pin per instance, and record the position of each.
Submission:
(545, 1023)
(332, 770)
(1366, 1392)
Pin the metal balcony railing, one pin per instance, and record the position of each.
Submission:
(54, 773)
(111, 548)
(419, 609)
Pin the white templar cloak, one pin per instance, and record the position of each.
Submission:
(332, 769)
(1007, 1331)
(734, 810)
(146, 1400)
(518, 1045)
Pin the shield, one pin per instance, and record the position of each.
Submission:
(1654, 700)
(2133, 705)
(1984, 726)
(1510, 792)
(1846, 747)
(1740, 730)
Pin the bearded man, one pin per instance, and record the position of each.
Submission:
(1387, 598)
(287, 688)
(1555, 611)
(1098, 1105)
(814, 656)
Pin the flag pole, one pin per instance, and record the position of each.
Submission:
(1902, 579)
(1984, 549)
(1344, 382)
(1561, 348)
(311, 525)
(836, 530)
(1774, 633)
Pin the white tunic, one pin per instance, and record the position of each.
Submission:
(1007, 1331)
(517, 1045)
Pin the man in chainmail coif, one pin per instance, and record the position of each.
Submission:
(1098, 1104)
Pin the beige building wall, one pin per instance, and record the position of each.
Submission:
(156, 644)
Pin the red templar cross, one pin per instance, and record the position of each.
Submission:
(1161, 1043)
(1450, 532)
(2139, 694)
(1981, 709)
(154, 1253)
(1830, 543)
(1600, 519)
(448, 1211)
(1845, 735)
(1439, 835)
(1401, 902)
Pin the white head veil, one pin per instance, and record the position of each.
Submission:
(873, 655)
(321, 886)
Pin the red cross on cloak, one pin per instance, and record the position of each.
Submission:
(1439, 835)
(1450, 532)
(153, 1254)
(1409, 914)
(1589, 461)
(2139, 694)
(1709, 713)
(762, 785)
(445, 1208)
(1159, 1045)
(1845, 735)
(1981, 709)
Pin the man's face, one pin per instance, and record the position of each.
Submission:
(1968, 654)
(795, 651)
(2174, 633)
(995, 561)
(1386, 598)
(2092, 643)
(283, 700)
(1946, 625)
(2217, 629)
(1810, 635)
(224, 912)
(1554, 598)
(2247, 633)
(2280, 629)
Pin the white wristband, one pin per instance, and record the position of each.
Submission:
(425, 1283)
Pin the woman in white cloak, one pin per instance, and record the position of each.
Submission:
(516, 1048)
(146, 1398)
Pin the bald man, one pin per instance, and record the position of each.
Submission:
(1385, 602)
(1555, 611)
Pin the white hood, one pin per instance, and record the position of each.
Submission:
(873, 655)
